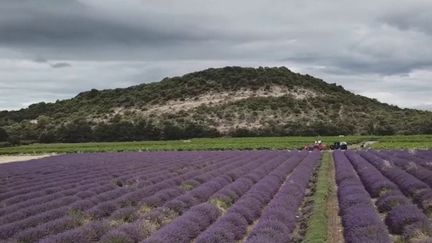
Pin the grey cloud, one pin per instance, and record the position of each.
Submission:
(40, 60)
(60, 65)
(34, 27)
(105, 42)
(413, 19)
(424, 107)
(62, 30)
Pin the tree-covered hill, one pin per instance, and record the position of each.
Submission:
(231, 101)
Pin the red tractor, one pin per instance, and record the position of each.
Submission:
(318, 145)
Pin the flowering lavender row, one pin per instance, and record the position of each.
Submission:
(231, 193)
(87, 224)
(94, 186)
(83, 190)
(427, 154)
(279, 217)
(8, 229)
(99, 211)
(359, 218)
(78, 178)
(77, 168)
(232, 226)
(413, 156)
(411, 186)
(402, 216)
(108, 166)
(408, 164)
(153, 197)
(100, 195)
(124, 212)
(200, 194)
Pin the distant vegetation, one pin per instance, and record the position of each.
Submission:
(382, 142)
(4, 136)
(181, 145)
(129, 114)
(404, 142)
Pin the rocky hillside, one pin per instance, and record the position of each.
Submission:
(230, 101)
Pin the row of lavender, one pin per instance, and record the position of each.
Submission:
(157, 210)
(154, 197)
(389, 185)
(92, 181)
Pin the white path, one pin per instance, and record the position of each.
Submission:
(16, 158)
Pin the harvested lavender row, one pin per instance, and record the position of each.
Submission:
(359, 218)
(391, 201)
(279, 218)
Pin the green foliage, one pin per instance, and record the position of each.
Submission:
(47, 137)
(119, 114)
(384, 142)
(317, 224)
(182, 145)
(116, 131)
(404, 142)
(14, 140)
(75, 132)
(3, 135)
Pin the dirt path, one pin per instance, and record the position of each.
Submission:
(362, 145)
(335, 230)
(16, 158)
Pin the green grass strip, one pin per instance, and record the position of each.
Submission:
(225, 143)
(317, 223)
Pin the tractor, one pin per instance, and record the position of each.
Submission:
(339, 145)
(318, 145)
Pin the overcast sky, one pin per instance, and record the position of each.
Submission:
(54, 49)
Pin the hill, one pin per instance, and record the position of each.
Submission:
(231, 101)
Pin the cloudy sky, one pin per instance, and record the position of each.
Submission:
(54, 49)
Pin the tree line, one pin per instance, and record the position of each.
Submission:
(80, 130)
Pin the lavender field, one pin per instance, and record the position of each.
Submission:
(385, 196)
(234, 196)
(219, 196)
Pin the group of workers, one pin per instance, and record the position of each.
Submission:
(319, 145)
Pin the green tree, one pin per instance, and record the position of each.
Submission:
(172, 131)
(48, 137)
(3, 135)
(146, 130)
(14, 140)
(75, 132)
